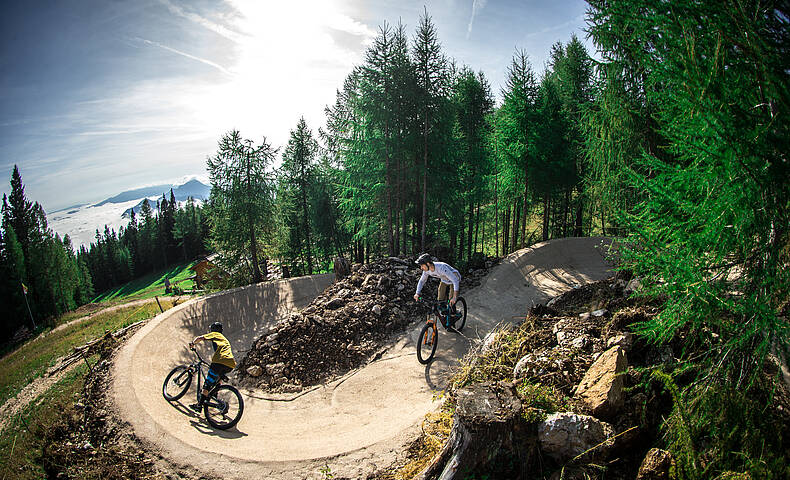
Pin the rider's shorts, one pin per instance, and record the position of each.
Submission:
(215, 371)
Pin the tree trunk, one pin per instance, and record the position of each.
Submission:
(342, 268)
(483, 234)
(496, 193)
(578, 232)
(424, 181)
(471, 229)
(388, 180)
(505, 230)
(545, 216)
(462, 238)
(566, 213)
(487, 424)
(524, 217)
(477, 227)
(514, 228)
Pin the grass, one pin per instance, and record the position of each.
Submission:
(21, 445)
(32, 359)
(148, 286)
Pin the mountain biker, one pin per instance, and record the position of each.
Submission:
(221, 363)
(448, 277)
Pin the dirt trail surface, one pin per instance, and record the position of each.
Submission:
(354, 425)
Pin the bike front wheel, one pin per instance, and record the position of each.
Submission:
(427, 342)
(460, 313)
(177, 383)
(224, 407)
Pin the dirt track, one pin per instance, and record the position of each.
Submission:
(353, 425)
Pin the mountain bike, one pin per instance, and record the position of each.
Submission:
(451, 317)
(223, 406)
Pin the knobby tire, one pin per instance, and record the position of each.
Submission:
(421, 357)
(220, 419)
(181, 378)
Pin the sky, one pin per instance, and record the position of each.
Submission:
(102, 96)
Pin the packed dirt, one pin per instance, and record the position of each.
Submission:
(347, 325)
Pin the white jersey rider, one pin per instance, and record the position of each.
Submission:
(447, 275)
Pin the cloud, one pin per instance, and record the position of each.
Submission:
(220, 30)
(477, 6)
(183, 54)
(575, 22)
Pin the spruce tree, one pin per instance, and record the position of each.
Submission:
(241, 202)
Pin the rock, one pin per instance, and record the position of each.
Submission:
(625, 340)
(600, 313)
(344, 293)
(584, 316)
(601, 389)
(656, 465)
(580, 342)
(255, 371)
(377, 309)
(275, 369)
(632, 286)
(335, 303)
(564, 436)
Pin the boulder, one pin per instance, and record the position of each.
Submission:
(564, 436)
(625, 340)
(377, 309)
(656, 465)
(335, 303)
(255, 371)
(601, 389)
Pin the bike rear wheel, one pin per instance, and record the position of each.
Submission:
(460, 307)
(224, 407)
(427, 342)
(177, 383)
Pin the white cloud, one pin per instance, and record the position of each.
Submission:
(184, 54)
(477, 6)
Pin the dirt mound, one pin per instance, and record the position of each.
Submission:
(343, 328)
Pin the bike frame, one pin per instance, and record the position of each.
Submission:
(197, 367)
(436, 314)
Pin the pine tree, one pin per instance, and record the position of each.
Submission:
(518, 111)
(296, 179)
(432, 82)
(241, 201)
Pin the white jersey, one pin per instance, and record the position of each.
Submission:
(444, 272)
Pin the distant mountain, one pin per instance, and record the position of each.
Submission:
(130, 195)
(193, 188)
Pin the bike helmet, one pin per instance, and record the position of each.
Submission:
(216, 327)
(423, 259)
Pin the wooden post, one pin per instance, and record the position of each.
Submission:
(161, 310)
